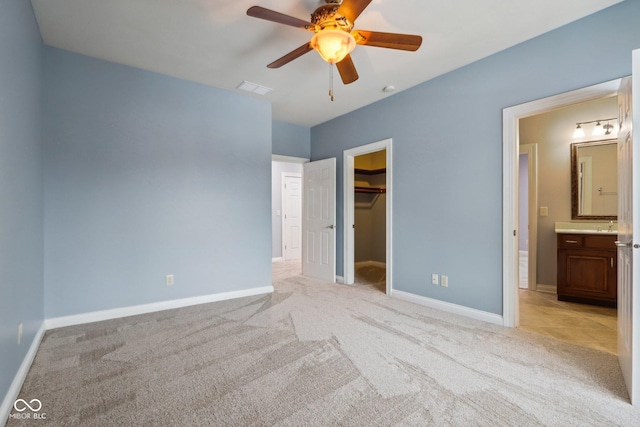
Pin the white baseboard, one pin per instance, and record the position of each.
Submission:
(278, 259)
(548, 289)
(18, 380)
(340, 279)
(449, 307)
(97, 316)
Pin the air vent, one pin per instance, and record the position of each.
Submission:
(254, 88)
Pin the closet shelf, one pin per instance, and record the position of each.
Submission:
(370, 172)
(370, 190)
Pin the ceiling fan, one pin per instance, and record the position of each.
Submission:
(334, 37)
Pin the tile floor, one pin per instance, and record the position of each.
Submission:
(585, 325)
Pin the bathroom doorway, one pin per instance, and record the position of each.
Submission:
(545, 136)
(511, 118)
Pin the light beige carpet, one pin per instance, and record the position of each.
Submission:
(371, 275)
(318, 354)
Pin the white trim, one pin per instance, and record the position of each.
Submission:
(288, 159)
(448, 307)
(18, 380)
(340, 279)
(510, 142)
(348, 208)
(97, 316)
(277, 259)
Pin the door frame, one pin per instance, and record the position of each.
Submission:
(284, 203)
(349, 209)
(510, 159)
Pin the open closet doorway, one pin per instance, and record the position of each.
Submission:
(367, 215)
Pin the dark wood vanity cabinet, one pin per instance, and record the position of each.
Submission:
(587, 268)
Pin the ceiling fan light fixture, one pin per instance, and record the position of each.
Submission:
(333, 45)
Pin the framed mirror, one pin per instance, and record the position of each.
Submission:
(594, 180)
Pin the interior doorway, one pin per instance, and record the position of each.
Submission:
(541, 309)
(375, 192)
(281, 166)
(370, 219)
(511, 140)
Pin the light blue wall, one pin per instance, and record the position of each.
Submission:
(148, 175)
(21, 211)
(291, 140)
(447, 142)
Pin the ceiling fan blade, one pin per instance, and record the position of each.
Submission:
(291, 56)
(347, 70)
(280, 18)
(388, 40)
(351, 9)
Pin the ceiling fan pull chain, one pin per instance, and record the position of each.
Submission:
(331, 81)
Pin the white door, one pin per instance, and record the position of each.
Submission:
(292, 218)
(629, 236)
(319, 220)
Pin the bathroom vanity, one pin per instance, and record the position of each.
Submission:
(587, 264)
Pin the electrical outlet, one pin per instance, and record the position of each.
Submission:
(434, 279)
(169, 280)
(19, 332)
(444, 281)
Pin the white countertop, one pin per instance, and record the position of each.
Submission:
(595, 227)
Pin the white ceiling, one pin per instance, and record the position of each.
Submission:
(215, 43)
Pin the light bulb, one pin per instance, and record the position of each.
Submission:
(598, 130)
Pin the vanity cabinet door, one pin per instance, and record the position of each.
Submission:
(587, 271)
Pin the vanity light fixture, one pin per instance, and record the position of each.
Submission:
(598, 130)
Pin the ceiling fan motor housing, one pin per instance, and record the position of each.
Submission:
(326, 17)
